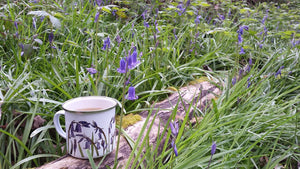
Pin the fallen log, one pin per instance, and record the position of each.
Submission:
(200, 94)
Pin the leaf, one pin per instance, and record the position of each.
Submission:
(55, 22)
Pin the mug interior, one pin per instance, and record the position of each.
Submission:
(89, 104)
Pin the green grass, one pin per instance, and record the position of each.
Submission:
(254, 127)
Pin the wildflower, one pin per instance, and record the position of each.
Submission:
(197, 20)
(22, 46)
(128, 80)
(144, 14)
(122, 68)
(174, 128)
(118, 39)
(134, 61)
(229, 12)
(131, 94)
(99, 2)
(106, 44)
(250, 61)
(146, 24)
(96, 17)
(221, 17)
(181, 9)
(213, 148)
(16, 25)
(248, 81)
(242, 28)
(91, 70)
(233, 81)
(174, 148)
(240, 39)
(42, 18)
(264, 19)
(279, 71)
(155, 23)
(174, 32)
(34, 22)
(242, 51)
(51, 36)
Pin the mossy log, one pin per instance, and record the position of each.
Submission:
(200, 94)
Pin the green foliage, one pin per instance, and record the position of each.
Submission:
(254, 127)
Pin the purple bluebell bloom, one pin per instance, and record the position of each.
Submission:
(229, 12)
(16, 24)
(249, 82)
(131, 94)
(174, 148)
(155, 23)
(118, 39)
(221, 17)
(22, 47)
(91, 70)
(181, 9)
(97, 17)
(240, 39)
(233, 81)
(144, 14)
(279, 71)
(51, 37)
(242, 51)
(264, 19)
(213, 148)
(106, 44)
(122, 68)
(197, 20)
(98, 2)
(174, 32)
(134, 60)
(146, 24)
(174, 128)
(34, 22)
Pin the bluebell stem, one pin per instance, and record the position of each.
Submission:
(97, 17)
(174, 148)
(131, 94)
(106, 44)
(242, 51)
(122, 68)
(91, 70)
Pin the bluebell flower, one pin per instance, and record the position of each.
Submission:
(174, 148)
(106, 44)
(229, 12)
(99, 2)
(249, 82)
(155, 23)
(91, 70)
(144, 14)
(250, 61)
(197, 20)
(122, 68)
(118, 39)
(174, 128)
(240, 39)
(279, 71)
(213, 148)
(22, 47)
(174, 32)
(97, 17)
(264, 19)
(221, 17)
(233, 81)
(51, 37)
(242, 51)
(134, 61)
(181, 9)
(131, 94)
(146, 24)
(34, 22)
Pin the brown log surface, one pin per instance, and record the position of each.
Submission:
(199, 94)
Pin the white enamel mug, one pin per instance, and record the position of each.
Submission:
(89, 124)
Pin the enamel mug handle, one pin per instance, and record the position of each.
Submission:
(57, 125)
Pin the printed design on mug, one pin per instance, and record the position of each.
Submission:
(98, 141)
(111, 134)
